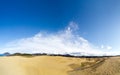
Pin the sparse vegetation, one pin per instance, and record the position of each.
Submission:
(89, 58)
(20, 54)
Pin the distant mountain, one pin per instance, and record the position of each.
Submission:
(5, 54)
(80, 54)
(2, 55)
(72, 54)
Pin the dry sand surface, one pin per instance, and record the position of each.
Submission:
(38, 65)
(57, 65)
(109, 66)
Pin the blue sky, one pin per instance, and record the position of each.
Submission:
(98, 20)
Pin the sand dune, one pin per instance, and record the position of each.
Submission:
(110, 66)
(57, 65)
(39, 65)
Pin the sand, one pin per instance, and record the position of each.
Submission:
(38, 65)
(110, 66)
(57, 65)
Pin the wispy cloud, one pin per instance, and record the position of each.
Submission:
(64, 41)
(106, 47)
(109, 47)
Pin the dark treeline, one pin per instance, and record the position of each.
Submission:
(64, 55)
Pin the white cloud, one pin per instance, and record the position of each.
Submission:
(106, 47)
(109, 47)
(102, 46)
(65, 41)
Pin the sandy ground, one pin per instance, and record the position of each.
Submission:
(57, 65)
(110, 66)
(39, 65)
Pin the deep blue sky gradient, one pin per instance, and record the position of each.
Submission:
(99, 20)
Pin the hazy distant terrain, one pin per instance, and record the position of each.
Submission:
(59, 65)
